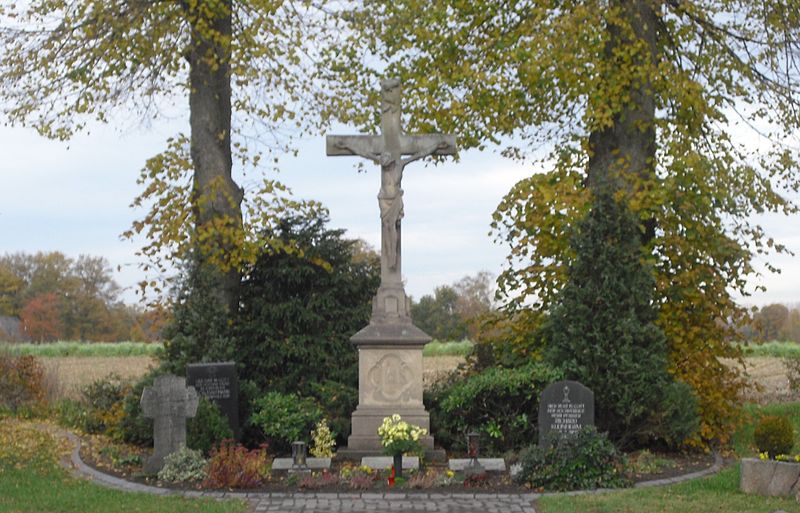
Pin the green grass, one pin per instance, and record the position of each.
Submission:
(718, 493)
(86, 349)
(452, 348)
(31, 481)
(774, 349)
(53, 491)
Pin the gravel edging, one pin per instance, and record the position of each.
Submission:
(81, 469)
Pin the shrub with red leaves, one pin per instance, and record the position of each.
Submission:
(233, 466)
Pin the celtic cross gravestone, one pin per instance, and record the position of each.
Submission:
(168, 402)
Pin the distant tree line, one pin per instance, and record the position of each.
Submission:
(774, 322)
(61, 298)
(455, 312)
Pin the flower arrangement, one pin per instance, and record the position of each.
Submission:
(399, 437)
(324, 441)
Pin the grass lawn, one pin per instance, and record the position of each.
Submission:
(719, 493)
(31, 481)
(774, 348)
(451, 348)
(63, 348)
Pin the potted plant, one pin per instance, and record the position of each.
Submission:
(398, 437)
(774, 473)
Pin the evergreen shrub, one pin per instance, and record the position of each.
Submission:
(580, 461)
(207, 428)
(502, 404)
(285, 418)
(183, 465)
(601, 330)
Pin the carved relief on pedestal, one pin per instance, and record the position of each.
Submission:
(392, 380)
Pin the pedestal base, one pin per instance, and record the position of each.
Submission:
(389, 382)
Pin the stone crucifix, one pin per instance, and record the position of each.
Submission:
(168, 402)
(392, 150)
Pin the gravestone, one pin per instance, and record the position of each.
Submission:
(390, 347)
(218, 382)
(565, 407)
(168, 402)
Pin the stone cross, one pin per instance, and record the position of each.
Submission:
(168, 402)
(388, 150)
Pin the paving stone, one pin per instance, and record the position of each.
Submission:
(313, 463)
(381, 462)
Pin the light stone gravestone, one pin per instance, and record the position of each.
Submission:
(565, 407)
(218, 382)
(390, 347)
(168, 402)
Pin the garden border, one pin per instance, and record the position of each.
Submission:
(81, 469)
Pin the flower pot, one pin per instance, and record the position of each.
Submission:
(769, 477)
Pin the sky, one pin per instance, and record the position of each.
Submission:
(74, 197)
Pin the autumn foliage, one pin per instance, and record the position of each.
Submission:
(21, 382)
(233, 466)
(41, 318)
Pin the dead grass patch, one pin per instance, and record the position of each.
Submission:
(68, 374)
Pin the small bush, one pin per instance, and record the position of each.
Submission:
(285, 418)
(584, 460)
(69, 413)
(183, 465)
(338, 400)
(21, 383)
(774, 435)
(233, 466)
(104, 405)
(324, 440)
(207, 428)
(500, 403)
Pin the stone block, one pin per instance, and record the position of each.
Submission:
(313, 463)
(383, 462)
(489, 464)
(770, 478)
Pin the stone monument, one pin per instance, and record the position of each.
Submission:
(566, 407)
(168, 402)
(390, 347)
(219, 383)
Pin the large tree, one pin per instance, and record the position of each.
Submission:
(644, 95)
(67, 63)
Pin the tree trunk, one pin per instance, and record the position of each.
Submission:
(628, 147)
(217, 198)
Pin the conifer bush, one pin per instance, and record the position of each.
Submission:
(601, 331)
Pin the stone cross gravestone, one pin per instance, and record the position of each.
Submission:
(390, 347)
(219, 383)
(565, 407)
(168, 402)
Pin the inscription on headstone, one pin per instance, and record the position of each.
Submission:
(218, 382)
(565, 407)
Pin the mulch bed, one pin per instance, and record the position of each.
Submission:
(94, 455)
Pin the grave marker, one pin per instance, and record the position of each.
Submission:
(218, 382)
(565, 407)
(168, 402)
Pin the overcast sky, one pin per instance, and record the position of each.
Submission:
(74, 197)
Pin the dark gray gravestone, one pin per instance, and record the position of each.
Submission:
(565, 407)
(168, 402)
(218, 382)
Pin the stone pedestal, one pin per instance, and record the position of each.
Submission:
(389, 382)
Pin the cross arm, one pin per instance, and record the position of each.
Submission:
(444, 144)
(367, 146)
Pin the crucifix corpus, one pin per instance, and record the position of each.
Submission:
(390, 347)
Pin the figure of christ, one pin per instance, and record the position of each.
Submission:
(390, 196)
